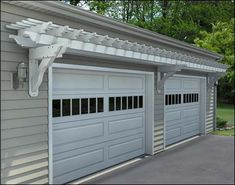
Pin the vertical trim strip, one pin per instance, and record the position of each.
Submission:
(50, 144)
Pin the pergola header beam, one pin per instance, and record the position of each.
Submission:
(37, 35)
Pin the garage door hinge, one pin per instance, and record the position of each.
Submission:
(40, 59)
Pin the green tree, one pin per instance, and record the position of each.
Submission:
(221, 40)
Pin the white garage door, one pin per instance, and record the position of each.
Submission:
(98, 121)
(182, 108)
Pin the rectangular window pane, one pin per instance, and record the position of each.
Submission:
(92, 105)
(169, 99)
(100, 104)
(129, 102)
(84, 105)
(140, 101)
(166, 99)
(111, 103)
(118, 103)
(66, 107)
(135, 102)
(75, 106)
(124, 103)
(173, 99)
(56, 108)
(184, 98)
(194, 97)
(179, 98)
(197, 98)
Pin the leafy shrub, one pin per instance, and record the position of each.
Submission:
(220, 123)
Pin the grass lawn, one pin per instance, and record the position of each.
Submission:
(224, 132)
(226, 112)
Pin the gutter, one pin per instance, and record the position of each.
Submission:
(71, 12)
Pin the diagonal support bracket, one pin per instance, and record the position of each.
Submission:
(40, 59)
(164, 72)
(213, 78)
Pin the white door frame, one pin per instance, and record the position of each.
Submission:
(149, 106)
(202, 104)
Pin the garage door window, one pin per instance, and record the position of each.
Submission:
(92, 105)
(75, 106)
(172, 99)
(100, 104)
(190, 97)
(56, 108)
(66, 107)
(118, 103)
(125, 102)
(129, 102)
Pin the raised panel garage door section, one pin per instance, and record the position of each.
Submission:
(98, 121)
(182, 108)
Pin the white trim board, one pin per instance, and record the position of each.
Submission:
(94, 68)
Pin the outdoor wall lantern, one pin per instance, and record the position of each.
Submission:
(20, 77)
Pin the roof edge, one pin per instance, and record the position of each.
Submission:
(71, 12)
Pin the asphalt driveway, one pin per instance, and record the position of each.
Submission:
(205, 160)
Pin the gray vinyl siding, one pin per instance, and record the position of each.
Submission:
(210, 112)
(158, 119)
(24, 122)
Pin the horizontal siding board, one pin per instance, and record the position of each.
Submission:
(18, 132)
(27, 177)
(26, 158)
(40, 180)
(23, 150)
(28, 167)
(21, 95)
(22, 113)
(13, 57)
(12, 47)
(158, 128)
(158, 133)
(5, 76)
(23, 122)
(5, 29)
(23, 104)
(7, 85)
(24, 140)
(5, 37)
(10, 17)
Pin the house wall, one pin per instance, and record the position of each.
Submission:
(158, 119)
(24, 119)
(210, 109)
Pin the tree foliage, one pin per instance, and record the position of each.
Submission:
(221, 40)
(208, 23)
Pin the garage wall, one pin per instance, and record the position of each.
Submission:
(24, 148)
(158, 119)
(210, 112)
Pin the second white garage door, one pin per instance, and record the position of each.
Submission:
(182, 108)
(98, 121)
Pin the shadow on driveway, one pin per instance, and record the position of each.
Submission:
(205, 160)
